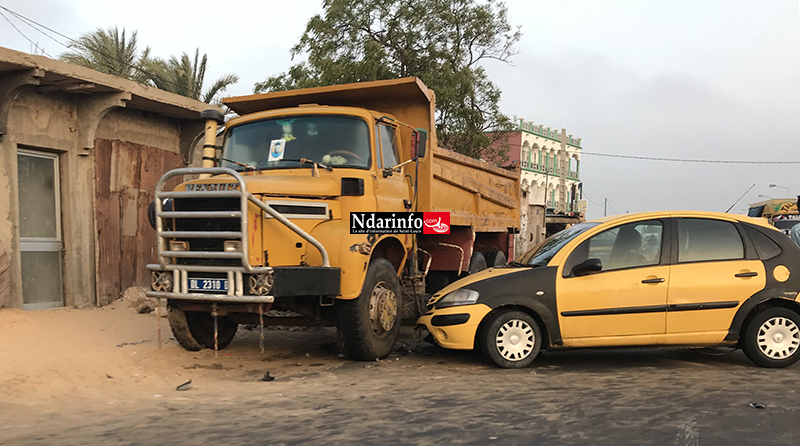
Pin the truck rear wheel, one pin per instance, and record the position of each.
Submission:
(194, 330)
(495, 258)
(369, 324)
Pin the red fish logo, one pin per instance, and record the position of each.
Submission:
(436, 222)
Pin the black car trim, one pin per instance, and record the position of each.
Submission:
(445, 320)
(620, 310)
(652, 309)
(703, 306)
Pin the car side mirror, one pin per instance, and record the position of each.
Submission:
(589, 266)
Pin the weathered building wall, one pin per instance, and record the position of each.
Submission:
(88, 149)
(104, 190)
(143, 128)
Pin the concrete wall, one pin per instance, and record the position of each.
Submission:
(67, 125)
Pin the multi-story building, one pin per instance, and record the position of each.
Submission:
(551, 189)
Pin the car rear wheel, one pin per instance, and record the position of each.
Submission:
(772, 338)
(511, 339)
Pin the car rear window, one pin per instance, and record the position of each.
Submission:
(765, 246)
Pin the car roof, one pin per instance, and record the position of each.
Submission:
(688, 214)
(606, 222)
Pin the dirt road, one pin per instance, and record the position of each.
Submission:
(96, 377)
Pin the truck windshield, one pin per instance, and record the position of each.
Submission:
(337, 141)
(543, 252)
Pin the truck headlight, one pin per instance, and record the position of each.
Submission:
(176, 245)
(458, 297)
(232, 246)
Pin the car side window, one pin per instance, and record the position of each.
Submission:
(765, 246)
(627, 246)
(701, 240)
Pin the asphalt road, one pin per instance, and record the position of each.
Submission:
(431, 396)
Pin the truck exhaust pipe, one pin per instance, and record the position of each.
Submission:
(213, 119)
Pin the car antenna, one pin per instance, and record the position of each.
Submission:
(740, 198)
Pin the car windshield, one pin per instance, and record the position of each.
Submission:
(287, 142)
(543, 252)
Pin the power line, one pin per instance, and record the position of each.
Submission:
(682, 160)
(590, 200)
(23, 35)
(75, 42)
(612, 207)
(33, 24)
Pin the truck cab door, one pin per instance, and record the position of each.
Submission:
(390, 191)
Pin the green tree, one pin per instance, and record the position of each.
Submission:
(109, 51)
(443, 42)
(185, 76)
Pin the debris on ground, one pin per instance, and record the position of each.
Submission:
(185, 386)
(132, 343)
(267, 377)
(136, 297)
(757, 406)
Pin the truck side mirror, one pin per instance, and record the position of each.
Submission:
(420, 143)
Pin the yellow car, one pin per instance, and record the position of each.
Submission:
(687, 279)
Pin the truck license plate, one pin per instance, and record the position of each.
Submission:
(208, 284)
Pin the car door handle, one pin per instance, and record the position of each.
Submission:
(747, 274)
(657, 280)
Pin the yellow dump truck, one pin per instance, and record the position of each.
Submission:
(316, 206)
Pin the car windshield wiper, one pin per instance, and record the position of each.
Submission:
(517, 264)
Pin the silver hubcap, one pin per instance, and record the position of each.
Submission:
(778, 338)
(515, 340)
(382, 308)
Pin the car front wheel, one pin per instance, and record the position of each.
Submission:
(772, 338)
(511, 339)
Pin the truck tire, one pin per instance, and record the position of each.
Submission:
(495, 258)
(477, 262)
(369, 324)
(194, 330)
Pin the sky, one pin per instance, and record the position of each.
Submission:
(688, 79)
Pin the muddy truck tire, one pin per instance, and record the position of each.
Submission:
(194, 330)
(369, 324)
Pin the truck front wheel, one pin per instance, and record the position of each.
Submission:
(368, 325)
(194, 330)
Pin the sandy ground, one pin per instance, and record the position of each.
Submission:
(97, 377)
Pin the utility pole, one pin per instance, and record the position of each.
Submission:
(605, 206)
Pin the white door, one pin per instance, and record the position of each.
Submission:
(40, 229)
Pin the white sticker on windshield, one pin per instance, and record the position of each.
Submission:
(276, 149)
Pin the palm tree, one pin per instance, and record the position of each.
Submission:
(108, 51)
(185, 77)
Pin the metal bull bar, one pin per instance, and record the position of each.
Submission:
(180, 271)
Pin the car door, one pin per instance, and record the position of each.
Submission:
(627, 297)
(712, 274)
